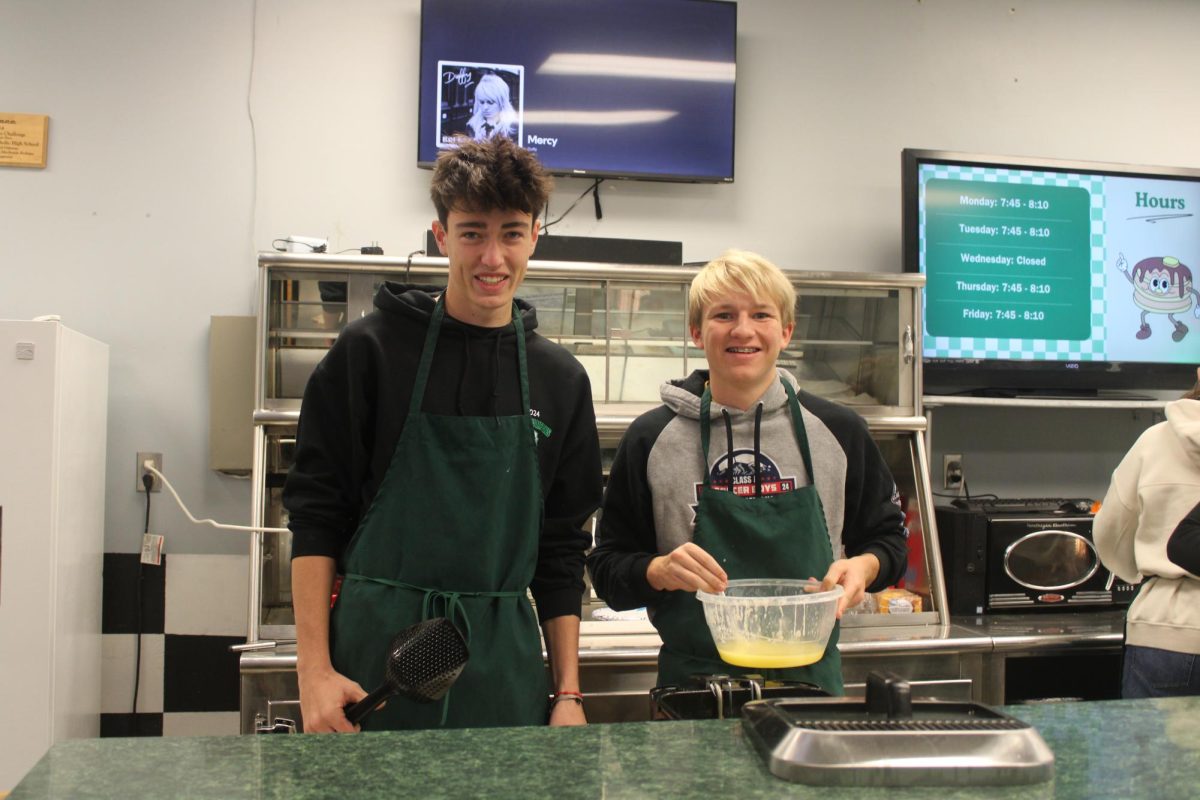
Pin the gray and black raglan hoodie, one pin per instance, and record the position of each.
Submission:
(653, 488)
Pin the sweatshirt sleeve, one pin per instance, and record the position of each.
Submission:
(1114, 530)
(575, 486)
(873, 520)
(320, 494)
(627, 540)
(1183, 546)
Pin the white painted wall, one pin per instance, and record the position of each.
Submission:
(140, 226)
(185, 136)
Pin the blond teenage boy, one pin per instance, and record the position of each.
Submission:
(742, 474)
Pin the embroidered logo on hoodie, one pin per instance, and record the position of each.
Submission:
(741, 466)
(539, 427)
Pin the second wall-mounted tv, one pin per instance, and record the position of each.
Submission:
(1055, 276)
(596, 88)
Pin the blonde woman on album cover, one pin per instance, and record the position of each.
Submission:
(493, 113)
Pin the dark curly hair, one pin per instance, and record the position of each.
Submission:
(486, 176)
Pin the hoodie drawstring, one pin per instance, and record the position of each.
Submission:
(757, 460)
(758, 412)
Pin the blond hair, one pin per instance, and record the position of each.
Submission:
(741, 272)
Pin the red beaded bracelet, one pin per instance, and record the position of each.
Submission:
(567, 695)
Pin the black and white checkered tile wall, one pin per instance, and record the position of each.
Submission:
(191, 609)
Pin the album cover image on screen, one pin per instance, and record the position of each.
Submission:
(479, 101)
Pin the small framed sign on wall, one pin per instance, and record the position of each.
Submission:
(23, 139)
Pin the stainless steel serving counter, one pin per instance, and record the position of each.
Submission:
(618, 661)
(978, 658)
(1051, 656)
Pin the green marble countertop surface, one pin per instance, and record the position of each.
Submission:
(1103, 749)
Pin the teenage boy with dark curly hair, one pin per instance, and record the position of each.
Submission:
(446, 461)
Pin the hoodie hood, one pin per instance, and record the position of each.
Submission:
(480, 353)
(739, 438)
(1184, 418)
(417, 302)
(683, 397)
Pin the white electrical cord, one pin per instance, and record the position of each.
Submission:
(149, 467)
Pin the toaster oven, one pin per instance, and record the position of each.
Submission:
(1020, 561)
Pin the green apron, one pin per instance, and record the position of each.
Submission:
(453, 531)
(774, 536)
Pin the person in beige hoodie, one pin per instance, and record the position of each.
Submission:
(1153, 493)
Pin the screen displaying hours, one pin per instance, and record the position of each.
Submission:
(1006, 260)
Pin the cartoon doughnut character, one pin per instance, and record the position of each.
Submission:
(1161, 286)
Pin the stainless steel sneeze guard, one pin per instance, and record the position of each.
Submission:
(838, 743)
(626, 324)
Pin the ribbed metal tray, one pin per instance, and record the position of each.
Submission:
(838, 742)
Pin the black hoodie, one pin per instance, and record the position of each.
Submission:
(355, 406)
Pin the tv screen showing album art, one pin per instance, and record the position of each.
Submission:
(596, 88)
(1064, 273)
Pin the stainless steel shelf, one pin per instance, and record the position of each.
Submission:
(302, 333)
(1110, 402)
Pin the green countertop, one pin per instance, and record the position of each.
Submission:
(1118, 749)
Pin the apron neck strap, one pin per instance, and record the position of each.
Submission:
(427, 351)
(519, 328)
(705, 425)
(797, 426)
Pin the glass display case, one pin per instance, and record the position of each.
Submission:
(627, 325)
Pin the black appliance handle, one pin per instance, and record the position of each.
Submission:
(889, 694)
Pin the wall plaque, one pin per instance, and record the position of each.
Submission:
(23, 139)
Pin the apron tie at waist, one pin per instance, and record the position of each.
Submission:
(451, 608)
(439, 602)
(450, 602)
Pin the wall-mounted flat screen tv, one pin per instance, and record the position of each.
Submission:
(596, 88)
(1056, 276)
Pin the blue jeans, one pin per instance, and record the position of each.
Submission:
(1150, 672)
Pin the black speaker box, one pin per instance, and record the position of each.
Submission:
(962, 539)
(552, 247)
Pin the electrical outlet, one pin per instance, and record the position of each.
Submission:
(952, 471)
(155, 460)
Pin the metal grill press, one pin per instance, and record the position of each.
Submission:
(423, 661)
(851, 742)
(883, 725)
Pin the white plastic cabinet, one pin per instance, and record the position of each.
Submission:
(53, 422)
